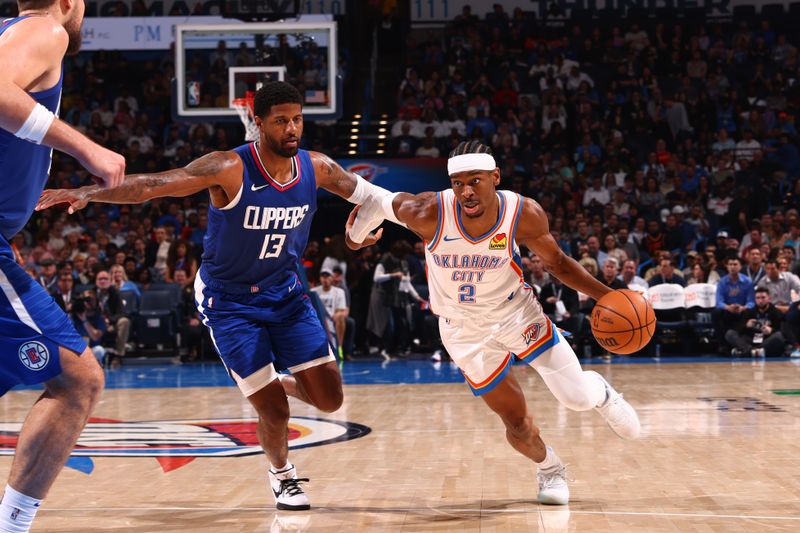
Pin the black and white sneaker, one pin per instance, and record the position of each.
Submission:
(285, 485)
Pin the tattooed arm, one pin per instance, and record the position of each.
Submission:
(221, 172)
(332, 177)
(375, 202)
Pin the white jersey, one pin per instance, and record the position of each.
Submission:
(472, 277)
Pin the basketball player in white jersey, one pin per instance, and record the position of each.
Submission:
(487, 314)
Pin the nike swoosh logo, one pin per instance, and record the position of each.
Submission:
(254, 188)
(448, 239)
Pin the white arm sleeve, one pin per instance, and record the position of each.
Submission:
(376, 206)
(380, 275)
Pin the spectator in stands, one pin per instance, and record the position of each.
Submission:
(48, 275)
(191, 328)
(560, 303)
(428, 148)
(157, 252)
(734, 296)
(609, 275)
(754, 269)
(335, 303)
(119, 279)
(539, 277)
(89, 323)
(666, 273)
(780, 286)
(628, 276)
(112, 310)
(179, 257)
(64, 293)
(758, 333)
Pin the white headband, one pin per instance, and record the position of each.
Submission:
(464, 162)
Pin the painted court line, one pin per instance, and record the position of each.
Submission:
(530, 510)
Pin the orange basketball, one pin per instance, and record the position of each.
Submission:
(623, 321)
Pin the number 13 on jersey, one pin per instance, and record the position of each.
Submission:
(466, 293)
(273, 244)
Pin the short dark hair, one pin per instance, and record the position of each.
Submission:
(762, 289)
(733, 258)
(275, 93)
(34, 4)
(470, 147)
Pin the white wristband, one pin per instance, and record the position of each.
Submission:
(36, 125)
(362, 192)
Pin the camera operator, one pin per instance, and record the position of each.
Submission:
(758, 333)
(88, 322)
(111, 307)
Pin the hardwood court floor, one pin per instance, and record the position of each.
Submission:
(719, 452)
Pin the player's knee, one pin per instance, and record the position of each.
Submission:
(85, 387)
(576, 400)
(276, 417)
(331, 402)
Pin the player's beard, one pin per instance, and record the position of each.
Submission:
(277, 147)
(73, 28)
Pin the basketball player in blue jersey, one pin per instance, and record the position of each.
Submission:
(263, 195)
(488, 316)
(38, 342)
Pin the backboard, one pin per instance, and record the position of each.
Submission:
(216, 63)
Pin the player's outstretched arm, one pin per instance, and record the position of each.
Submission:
(219, 171)
(534, 232)
(417, 212)
(375, 202)
(31, 53)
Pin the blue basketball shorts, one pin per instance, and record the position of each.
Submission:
(257, 336)
(32, 328)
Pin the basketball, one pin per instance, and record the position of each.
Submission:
(623, 322)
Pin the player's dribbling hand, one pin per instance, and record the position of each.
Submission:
(76, 199)
(107, 166)
(371, 239)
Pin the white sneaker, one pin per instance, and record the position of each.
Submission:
(285, 485)
(553, 489)
(619, 414)
(795, 352)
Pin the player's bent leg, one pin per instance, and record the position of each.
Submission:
(581, 390)
(320, 386)
(273, 422)
(48, 436)
(507, 400)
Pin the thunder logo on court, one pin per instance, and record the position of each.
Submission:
(176, 443)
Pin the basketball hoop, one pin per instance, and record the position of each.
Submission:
(244, 106)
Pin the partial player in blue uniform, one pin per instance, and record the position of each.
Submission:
(37, 341)
(263, 196)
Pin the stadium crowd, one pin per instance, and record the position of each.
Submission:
(663, 153)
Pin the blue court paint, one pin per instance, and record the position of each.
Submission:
(362, 372)
(81, 464)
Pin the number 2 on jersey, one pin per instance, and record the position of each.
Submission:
(466, 293)
(273, 244)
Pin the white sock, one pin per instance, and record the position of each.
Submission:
(17, 511)
(276, 470)
(550, 460)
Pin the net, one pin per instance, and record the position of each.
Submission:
(244, 106)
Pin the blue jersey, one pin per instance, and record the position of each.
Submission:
(254, 244)
(24, 166)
